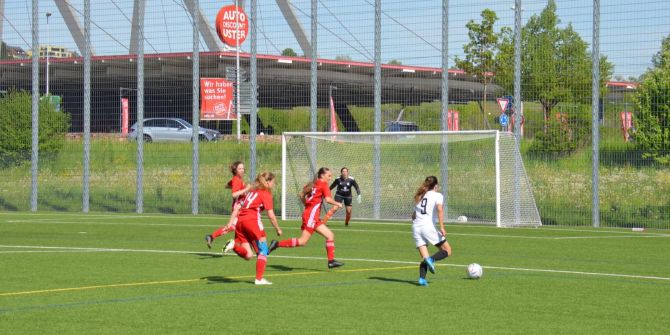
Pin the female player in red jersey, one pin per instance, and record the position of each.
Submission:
(249, 229)
(237, 188)
(312, 196)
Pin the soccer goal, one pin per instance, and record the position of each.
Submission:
(481, 173)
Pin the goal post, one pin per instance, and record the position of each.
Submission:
(486, 179)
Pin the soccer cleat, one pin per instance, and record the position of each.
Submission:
(273, 245)
(228, 247)
(209, 239)
(334, 264)
(429, 262)
(423, 282)
(262, 281)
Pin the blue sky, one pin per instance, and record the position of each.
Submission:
(631, 30)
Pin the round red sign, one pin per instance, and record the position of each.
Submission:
(232, 25)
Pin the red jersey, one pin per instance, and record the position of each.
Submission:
(320, 190)
(235, 184)
(253, 203)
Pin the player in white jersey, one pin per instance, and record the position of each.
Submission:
(427, 211)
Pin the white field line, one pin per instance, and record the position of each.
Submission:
(619, 236)
(48, 251)
(187, 225)
(583, 273)
(224, 218)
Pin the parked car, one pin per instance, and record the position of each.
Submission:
(171, 130)
(401, 126)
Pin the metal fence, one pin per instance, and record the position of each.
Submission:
(593, 78)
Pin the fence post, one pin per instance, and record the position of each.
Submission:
(378, 107)
(87, 106)
(35, 106)
(595, 89)
(195, 87)
(139, 197)
(254, 84)
(444, 145)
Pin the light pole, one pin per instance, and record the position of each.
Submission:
(47, 51)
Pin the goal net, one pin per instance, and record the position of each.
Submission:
(480, 173)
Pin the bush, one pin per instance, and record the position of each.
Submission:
(16, 125)
(565, 133)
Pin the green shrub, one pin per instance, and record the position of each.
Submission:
(565, 133)
(16, 128)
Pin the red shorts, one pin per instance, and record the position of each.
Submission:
(311, 218)
(249, 231)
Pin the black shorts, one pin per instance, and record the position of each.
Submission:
(345, 200)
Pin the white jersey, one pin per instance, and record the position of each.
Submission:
(425, 212)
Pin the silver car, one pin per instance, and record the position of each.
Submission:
(171, 130)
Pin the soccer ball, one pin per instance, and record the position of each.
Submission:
(475, 271)
(462, 218)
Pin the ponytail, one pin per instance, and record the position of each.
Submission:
(262, 181)
(428, 184)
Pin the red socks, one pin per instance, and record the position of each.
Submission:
(330, 250)
(290, 243)
(222, 231)
(240, 251)
(328, 215)
(261, 261)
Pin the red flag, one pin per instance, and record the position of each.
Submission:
(333, 118)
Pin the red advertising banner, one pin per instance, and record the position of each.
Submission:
(232, 25)
(216, 99)
(452, 120)
(124, 116)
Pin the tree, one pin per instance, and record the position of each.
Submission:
(480, 53)
(289, 52)
(555, 63)
(652, 122)
(345, 58)
(395, 62)
(15, 127)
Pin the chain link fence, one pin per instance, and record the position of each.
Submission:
(321, 65)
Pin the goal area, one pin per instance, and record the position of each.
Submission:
(481, 173)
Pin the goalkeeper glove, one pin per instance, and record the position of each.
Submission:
(358, 199)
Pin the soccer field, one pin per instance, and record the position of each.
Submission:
(140, 274)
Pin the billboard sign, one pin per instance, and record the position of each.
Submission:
(216, 99)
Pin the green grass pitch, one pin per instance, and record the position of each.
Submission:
(152, 274)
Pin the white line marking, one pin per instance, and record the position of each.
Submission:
(224, 218)
(617, 275)
(598, 237)
(630, 235)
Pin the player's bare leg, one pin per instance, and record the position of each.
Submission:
(348, 217)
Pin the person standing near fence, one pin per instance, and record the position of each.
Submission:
(428, 205)
(249, 230)
(312, 195)
(237, 189)
(344, 195)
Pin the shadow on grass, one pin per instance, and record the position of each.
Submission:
(222, 280)
(7, 206)
(284, 268)
(208, 255)
(395, 280)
